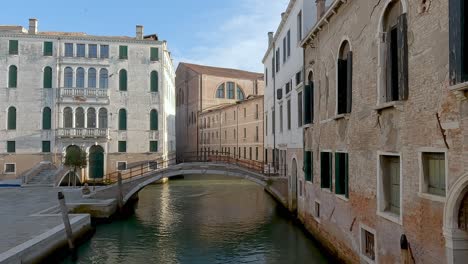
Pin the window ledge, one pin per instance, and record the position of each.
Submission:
(390, 217)
(342, 197)
(460, 90)
(327, 190)
(432, 197)
(326, 120)
(305, 126)
(341, 116)
(393, 104)
(299, 85)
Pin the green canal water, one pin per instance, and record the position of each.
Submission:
(202, 221)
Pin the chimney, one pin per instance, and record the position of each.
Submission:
(139, 32)
(270, 38)
(32, 26)
(282, 15)
(320, 8)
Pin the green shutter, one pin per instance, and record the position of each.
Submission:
(48, 48)
(123, 80)
(12, 77)
(46, 119)
(45, 146)
(154, 54)
(338, 182)
(307, 105)
(154, 120)
(122, 146)
(346, 175)
(13, 47)
(11, 118)
(11, 146)
(153, 146)
(326, 170)
(308, 168)
(123, 52)
(122, 119)
(154, 81)
(47, 77)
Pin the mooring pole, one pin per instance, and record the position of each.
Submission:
(66, 222)
(119, 191)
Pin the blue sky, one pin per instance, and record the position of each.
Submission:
(225, 33)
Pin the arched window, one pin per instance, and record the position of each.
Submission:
(122, 119)
(11, 118)
(154, 120)
(221, 92)
(230, 90)
(240, 94)
(103, 79)
(80, 76)
(79, 118)
(91, 118)
(154, 81)
(103, 118)
(47, 82)
(345, 79)
(12, 77)
(67, 117)
(68, 77)
(123, 80)
(92, 78)
(46, 119)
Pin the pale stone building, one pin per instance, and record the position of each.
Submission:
(200, 88)
(386, 129)
(234, 130)
(111, 96)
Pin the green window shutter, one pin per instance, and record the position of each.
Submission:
(154, 120)
(123, 52)
(48, 48)
(154, 81)
(13, 47)
(346, 175)
(46, 119)
(154, 54)
(47, 77)
(338, 187)
(308, 166)
(11, 146)
(45, 146)
(153, 146)
(122, 146)
(123, 80)
(13, 77)
(11, 118)
(330, 171)
(122, 119)
(307, 105)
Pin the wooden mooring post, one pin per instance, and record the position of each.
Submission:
(119, 191)
(66, 223)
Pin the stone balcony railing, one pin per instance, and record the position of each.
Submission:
(82, 133)
(91, 95)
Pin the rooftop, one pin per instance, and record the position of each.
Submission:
(223, 72)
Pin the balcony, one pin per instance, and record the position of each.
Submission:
(82, 133)
(91, 95)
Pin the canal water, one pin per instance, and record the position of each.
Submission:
(202, 221)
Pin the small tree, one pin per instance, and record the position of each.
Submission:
(75, 159)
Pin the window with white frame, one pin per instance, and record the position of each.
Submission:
(389, 192)
(368, 245)
(433, 173)
(121, 165)
(10, 168)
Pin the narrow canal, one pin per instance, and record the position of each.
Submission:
(202, 221)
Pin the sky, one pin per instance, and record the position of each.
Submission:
(222, 33)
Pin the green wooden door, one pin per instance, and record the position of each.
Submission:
(96, 163)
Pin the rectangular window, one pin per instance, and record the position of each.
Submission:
(288, 110)
(278, 59)
(434, 173)
(367, 245)
(326, 170)
(104, 51)
(121, 165)
(308, 103)
(298, 78)
(245, 153)
(256, 153)
(13, 47)
(48, 48)
(341, 174)
(458, 35)
(11, 146)
(256, 134)
(299, 26)
(10, 168)
(68, 49)
(299, 109)
(92, 51)
(250, 153)
(285, 48)
(153, 146)
(245, 132)
(245, 112)
(389, 199)
(281, 118)
(266, 76)
(154, 54)
(80, 50)
(123, 52)
(122, 146)
(45, 146)
(308, 166)
(289, 43)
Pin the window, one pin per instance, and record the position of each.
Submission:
(389, 189)
(240, 94)
(154, 82)
(12, 77)
(68, 49)
(13, 47)
(256, 153)
(367, 245)
(266, 76)
(48, 48)
(11, 146)
(10, 168)
(123, 52)
(245, 132)
(92, 51)
(308, 166)
(67, 117)
(433, 168)
(103, 79)
(299, 26)
(288, 111)
(92, 78)
(121, 165)
(256, 134)
(326, 170)
(79, 118)
(288, 42)
(104, 51)
(91, 118)
(68, 76)
(277, 60)
(298, 78)
(47, 78)
(341, 174)
(281, 118)
(122, 146)
(256, 111)
(230, 90)
(285, 47)
(80, 50)
(46, 119)
(220, 92)
(345, 79)
(250, 153)
(11, 118)
(309, 101)
(154, 54)
(299, 109)
(103, 118)
(153, 146)
(245, 112)
(154, 120)
(458, 35)
(123, 80)
(45, 146)
(80, 77)
(245, 153)
(122, 119)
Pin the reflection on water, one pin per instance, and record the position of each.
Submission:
(202, 221)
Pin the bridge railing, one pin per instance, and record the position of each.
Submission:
(252, 165)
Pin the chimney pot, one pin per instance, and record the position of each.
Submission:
(139, 32)
(32, 26)
(270, 38)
